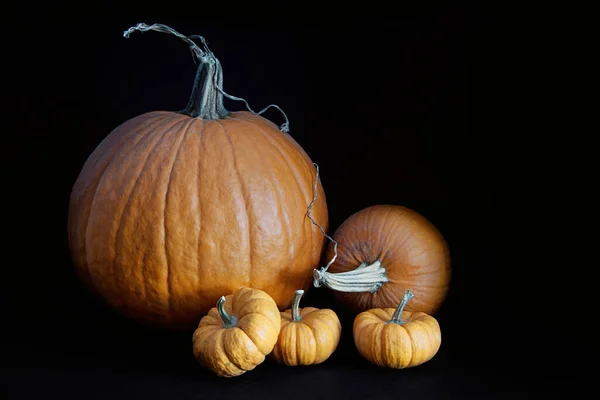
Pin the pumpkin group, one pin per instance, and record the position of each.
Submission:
(383, 250)
(394, 338)
(172, 209)
(236, 335)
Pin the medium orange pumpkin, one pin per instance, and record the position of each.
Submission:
(172, 209)
(380, 252)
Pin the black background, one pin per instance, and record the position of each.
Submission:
(393, 109)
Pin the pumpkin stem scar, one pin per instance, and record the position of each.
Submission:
(295, 311)
(206, 100)
(397, 317)
(228, 320)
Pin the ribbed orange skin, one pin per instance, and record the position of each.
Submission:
(410, 248)
(233, 351)
(171, 212)
(391, 345)
(309, 341)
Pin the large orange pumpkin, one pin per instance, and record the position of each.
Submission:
(173, 209)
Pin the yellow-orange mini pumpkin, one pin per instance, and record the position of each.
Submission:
(235, 336)
(173, 209)
(395, 338)
(308, 336)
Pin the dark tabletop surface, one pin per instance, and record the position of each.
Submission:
(84, 351)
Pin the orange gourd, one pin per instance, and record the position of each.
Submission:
(381, 251)
(237, 335)
(308, 335)
(394, 338)
(172, 209)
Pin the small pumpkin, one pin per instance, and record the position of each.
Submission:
(308, 335)
(236, 335)
(395, 338)
(382, 250)
(172, 209)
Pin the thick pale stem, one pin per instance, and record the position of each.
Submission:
(206, 100)
(228, 320)
(365, 278)
(295, 306)
(397, 317)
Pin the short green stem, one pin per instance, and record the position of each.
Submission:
(397, 317)
(295, 310)
(228, 320)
